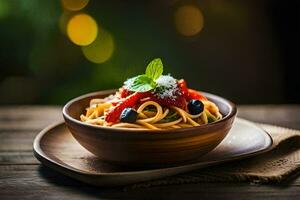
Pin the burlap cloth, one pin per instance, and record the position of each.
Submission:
(281, 162)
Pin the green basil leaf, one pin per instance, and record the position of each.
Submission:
(142, 83)
(154, 69)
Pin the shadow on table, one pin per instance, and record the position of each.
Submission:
(58, 179)
(193, 190)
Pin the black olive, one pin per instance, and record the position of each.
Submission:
(195, 107)
(128, 115)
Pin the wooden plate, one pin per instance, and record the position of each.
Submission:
(56, 148)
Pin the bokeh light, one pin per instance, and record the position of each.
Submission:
(74, 5)
(189, 20)
(82, 29)
(101, 49)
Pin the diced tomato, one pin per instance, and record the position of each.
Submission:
(182, 85)
(179, 101)
(190, 94)
(114, 114)
(193, 94)
(115, 102)
(124, 93)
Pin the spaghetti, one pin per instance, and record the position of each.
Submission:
(168, 104)
(158, 118)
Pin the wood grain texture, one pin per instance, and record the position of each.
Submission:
(17, 140)
(21, 177)
(35, 182)
(28, 117)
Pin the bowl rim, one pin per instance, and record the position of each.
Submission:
(231, 105)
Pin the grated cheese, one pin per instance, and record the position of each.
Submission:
(167, 87)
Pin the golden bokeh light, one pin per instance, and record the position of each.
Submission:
(82, 29)
(74, 5)
(189, 20)
(101, 49)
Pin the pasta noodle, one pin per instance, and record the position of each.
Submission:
(154, 118)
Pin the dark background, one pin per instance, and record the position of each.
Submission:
(247, 51)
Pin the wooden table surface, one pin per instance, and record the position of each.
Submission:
(22, 176)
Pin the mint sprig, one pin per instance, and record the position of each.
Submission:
(146, 82)
(155, 69)
(142, 83)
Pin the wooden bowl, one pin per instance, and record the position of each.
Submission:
(147, 147)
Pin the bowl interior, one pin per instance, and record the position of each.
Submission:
(77, 106)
